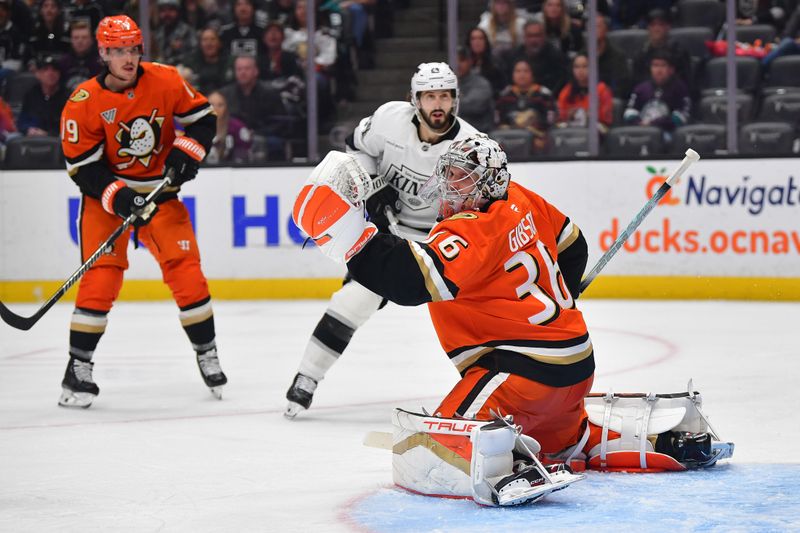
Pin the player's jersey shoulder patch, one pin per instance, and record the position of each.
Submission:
(463, 216)
(79, 96)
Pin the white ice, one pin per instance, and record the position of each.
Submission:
(156, 452)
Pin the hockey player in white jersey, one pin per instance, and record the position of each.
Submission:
(399, 145)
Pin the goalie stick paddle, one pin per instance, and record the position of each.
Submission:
(25, 323)
(378, 439)
(691, 157)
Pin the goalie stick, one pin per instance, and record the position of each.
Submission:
(691, 157)
(25, 323)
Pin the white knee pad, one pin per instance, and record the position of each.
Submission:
(353, 304)
(646, 422)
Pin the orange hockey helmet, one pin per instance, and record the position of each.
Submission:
(118, 31)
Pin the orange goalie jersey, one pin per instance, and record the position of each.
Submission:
(477, 268)
(132, 130)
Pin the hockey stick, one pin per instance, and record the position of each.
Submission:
(691, 157)
(378, 439)
(25, 323)
(390, 216)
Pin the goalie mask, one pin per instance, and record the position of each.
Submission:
(468, 176)
(434, 77)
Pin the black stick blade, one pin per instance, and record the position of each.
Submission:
(19, 322)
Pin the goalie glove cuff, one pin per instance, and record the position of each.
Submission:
(107, 198)
(190, 147)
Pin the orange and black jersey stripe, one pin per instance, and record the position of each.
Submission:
(501, 287)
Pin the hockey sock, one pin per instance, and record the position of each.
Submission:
(85, 330)
(198, 322)
(329, 340)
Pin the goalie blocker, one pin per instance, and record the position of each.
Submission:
(494, 464)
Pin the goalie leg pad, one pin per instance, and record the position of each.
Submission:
(651, 433)
(459, 458)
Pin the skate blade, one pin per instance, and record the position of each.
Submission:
(292, 409)
(529, 495)
(216, 392)
(76, 399)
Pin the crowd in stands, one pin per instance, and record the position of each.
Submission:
(523, 66)
(527, 61)
(251, 55)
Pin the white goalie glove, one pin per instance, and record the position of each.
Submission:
(330, 207)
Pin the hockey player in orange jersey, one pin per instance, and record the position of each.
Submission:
(118, 136)
(500, 273)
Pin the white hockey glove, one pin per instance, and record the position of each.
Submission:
(330, 207)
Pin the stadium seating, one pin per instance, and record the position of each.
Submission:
(634, 141)
(751, 33)
(705, 139)
(629, 41)
(748, 74)
(781, 108)
(766, 138)
(517, 143)
(714, 109)
(693, 39)
(569, 142)
(34, 153)
(784, 71)
(708, 13)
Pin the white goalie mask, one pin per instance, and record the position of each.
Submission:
(434, 77)
(471, 173)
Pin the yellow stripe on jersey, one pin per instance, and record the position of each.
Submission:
(567, 237)
(434, 282)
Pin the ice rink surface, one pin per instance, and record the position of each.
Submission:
(156, 452)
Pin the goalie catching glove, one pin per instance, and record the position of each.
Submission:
(330, 207)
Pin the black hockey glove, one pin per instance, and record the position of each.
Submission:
(128, 202)
(377, 203)
(184, 160)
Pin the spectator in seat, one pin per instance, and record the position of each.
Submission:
(276, 62)
(82, 61)
(476, 98)
(483, 62)
(658, 27)
(12, 42)
(41, 108)
(257, 105)
(503, 23)
(549, 63)
(526, 104)
(209, 67)
(50, 33)
(233, 139)
(281, 11)
(573, 101)
(356, 15)
(242, 37)
(790, 40)
(193, 14)
(87, 11)
(612, 66)
(559, 28)
(174, 38)
(663, 100)
(8, 129)
(323, 56)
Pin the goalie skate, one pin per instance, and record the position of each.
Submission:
(212, 373)
(529, 485)
(78, 387)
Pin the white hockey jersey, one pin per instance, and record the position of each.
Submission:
(387, 145)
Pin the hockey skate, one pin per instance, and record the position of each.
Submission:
(529, 484)
(212, 373)
(300, 395)
(78, 387)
